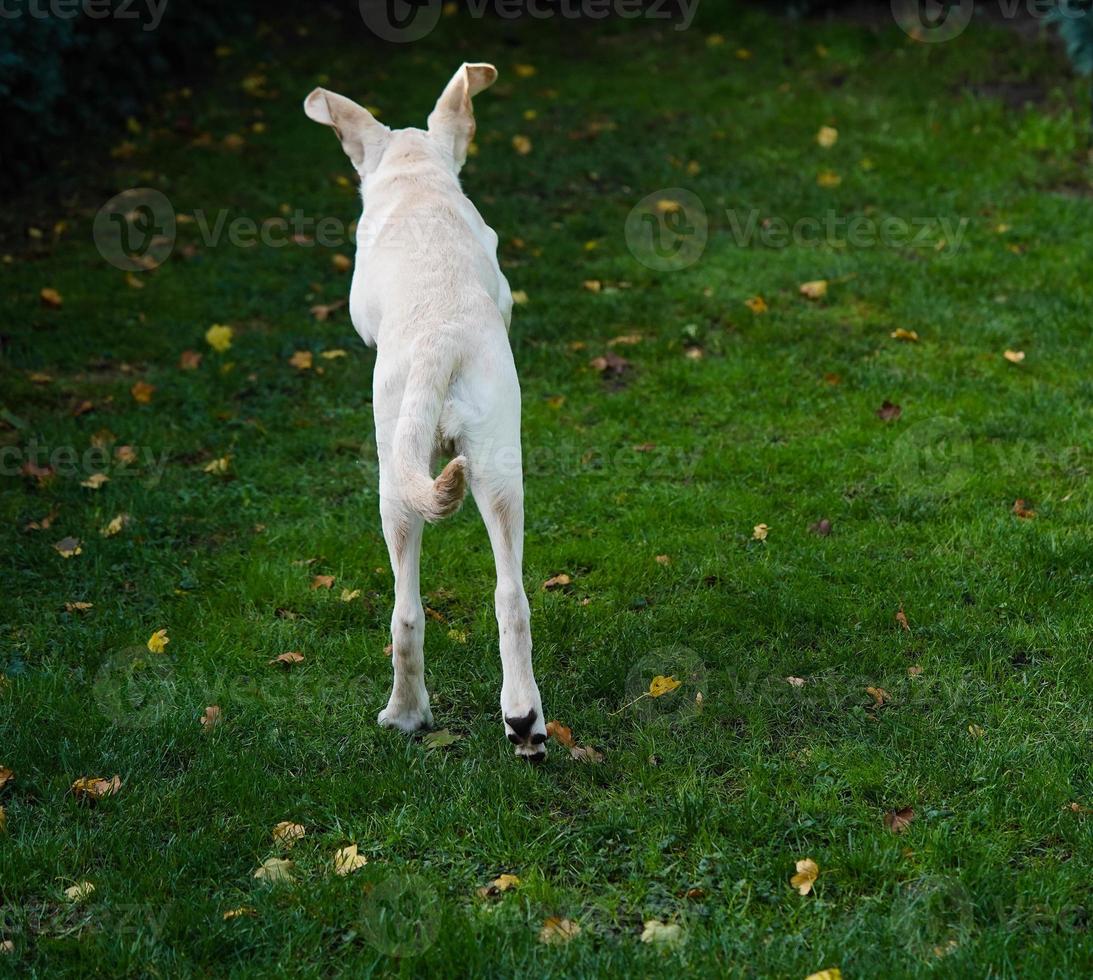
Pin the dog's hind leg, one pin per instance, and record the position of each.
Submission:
(408, 708)
(502, 509)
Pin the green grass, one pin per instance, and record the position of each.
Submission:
(695, 817)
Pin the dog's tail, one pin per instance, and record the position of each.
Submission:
(415, 434)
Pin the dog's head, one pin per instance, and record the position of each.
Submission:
(367, 142)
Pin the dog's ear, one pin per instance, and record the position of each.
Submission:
(363, 138)
(452, 121)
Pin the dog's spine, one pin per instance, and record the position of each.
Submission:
(423, 398)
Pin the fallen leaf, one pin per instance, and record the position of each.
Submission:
(563, 734)
(502, 883)
(756, 304)
(667, 206)
(663, 560)
(519, 297)
(827, 137)
(347, 860)
(898, 821)
(976, 731)
(901, 618)
(807, 873)
(666, 933)
(585, 753)
(7, 946)
(218, 467)
(592, 285)
(914, 671)
(816, 289)
(522, 145)
(43, 523)
(68, 547)
(557, 582)
(610, 366)
(211, 718)
(158, 641)
(557, 931)
(219, 337)
(879, 695)
(888, 411)
(524, 71)
(900, 333)
(78, 606)
(3, 821)
(322, 582)
(51, 298)
(795, 681)
(275, 871)
(832, 973)
(828, 178)
(822, 527)
(440, 739)
(239, 912)
(661, 685)
(288, 659)
(142, 392)
(288, 833)
(6, 776)
(115, 526)
(94, 481)
(332, 355)
(1021, 509)
(78, 892)
(189, 360)
(350, 595)
(301, 360)
(82, 408)
(125, 455)
(759, 532)
(341, 263)
(322, 311)
(91, 788)
(1014, 356)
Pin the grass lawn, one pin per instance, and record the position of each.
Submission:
(645, 480)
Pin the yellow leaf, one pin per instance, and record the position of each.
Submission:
(142, 392)
(715, 40)
(557, 931)
(347, 860)
(115, 526)
(901, 334)
(94, 481)
(524, 71)
(522, 145)
(1014, 356)
(760, 532)
(133, 282)
(322, 582)
(667, 206)
(827, 137)
(879, 695)
(743, 54)
(349, 595)
(828, 178)
(519, 297)
(341, 263)
(502, 883)
(78, 606)
(91, 788)
(833, 973)
(218, 467)
(330, 355)
(6, 775)
(756, 304)
(158, 641)
(661, 685)
(275, 871)
(976, 731)
(78, 892)
(51, 298)
(288, 833)
(68, 547)
(668, 933)
(807, 873)
(815, 289)
(219, 337)
(288, 659)
(301, 360)
(239, 912)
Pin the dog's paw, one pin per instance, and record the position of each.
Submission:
(528, 733)
(407, 720)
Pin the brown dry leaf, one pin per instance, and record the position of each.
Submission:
(831, 378)
(901, 618)
(556, 730)
(248, 910)
(807, 873)
(663, 560)
(1021, 509)
(341, 263)
(879, 695)
(900, 333)
(51, 298)
(125, 455)
(3, 820)
(211, 718)
(68, 547)
(756, 304)
(898, 821)
(6, 776)
(611, 365)
(502, 883)
(557, 931)
(94, 481)
(914, 671)
(82, 408)
(795, 681)
(557, 582)
(301, 360)
(585, 753)
(275, 871)
(142, 392)
(1014, 356)
(347, 860)
(288, 833)
(78, 606)
(288, 659)
(322, 582)
(888, 411)
(43, 523)
(815, 289)
(322, 311)
(91, 788)
(189, 360)
(822, 527)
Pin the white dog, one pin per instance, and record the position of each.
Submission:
(429, 294)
